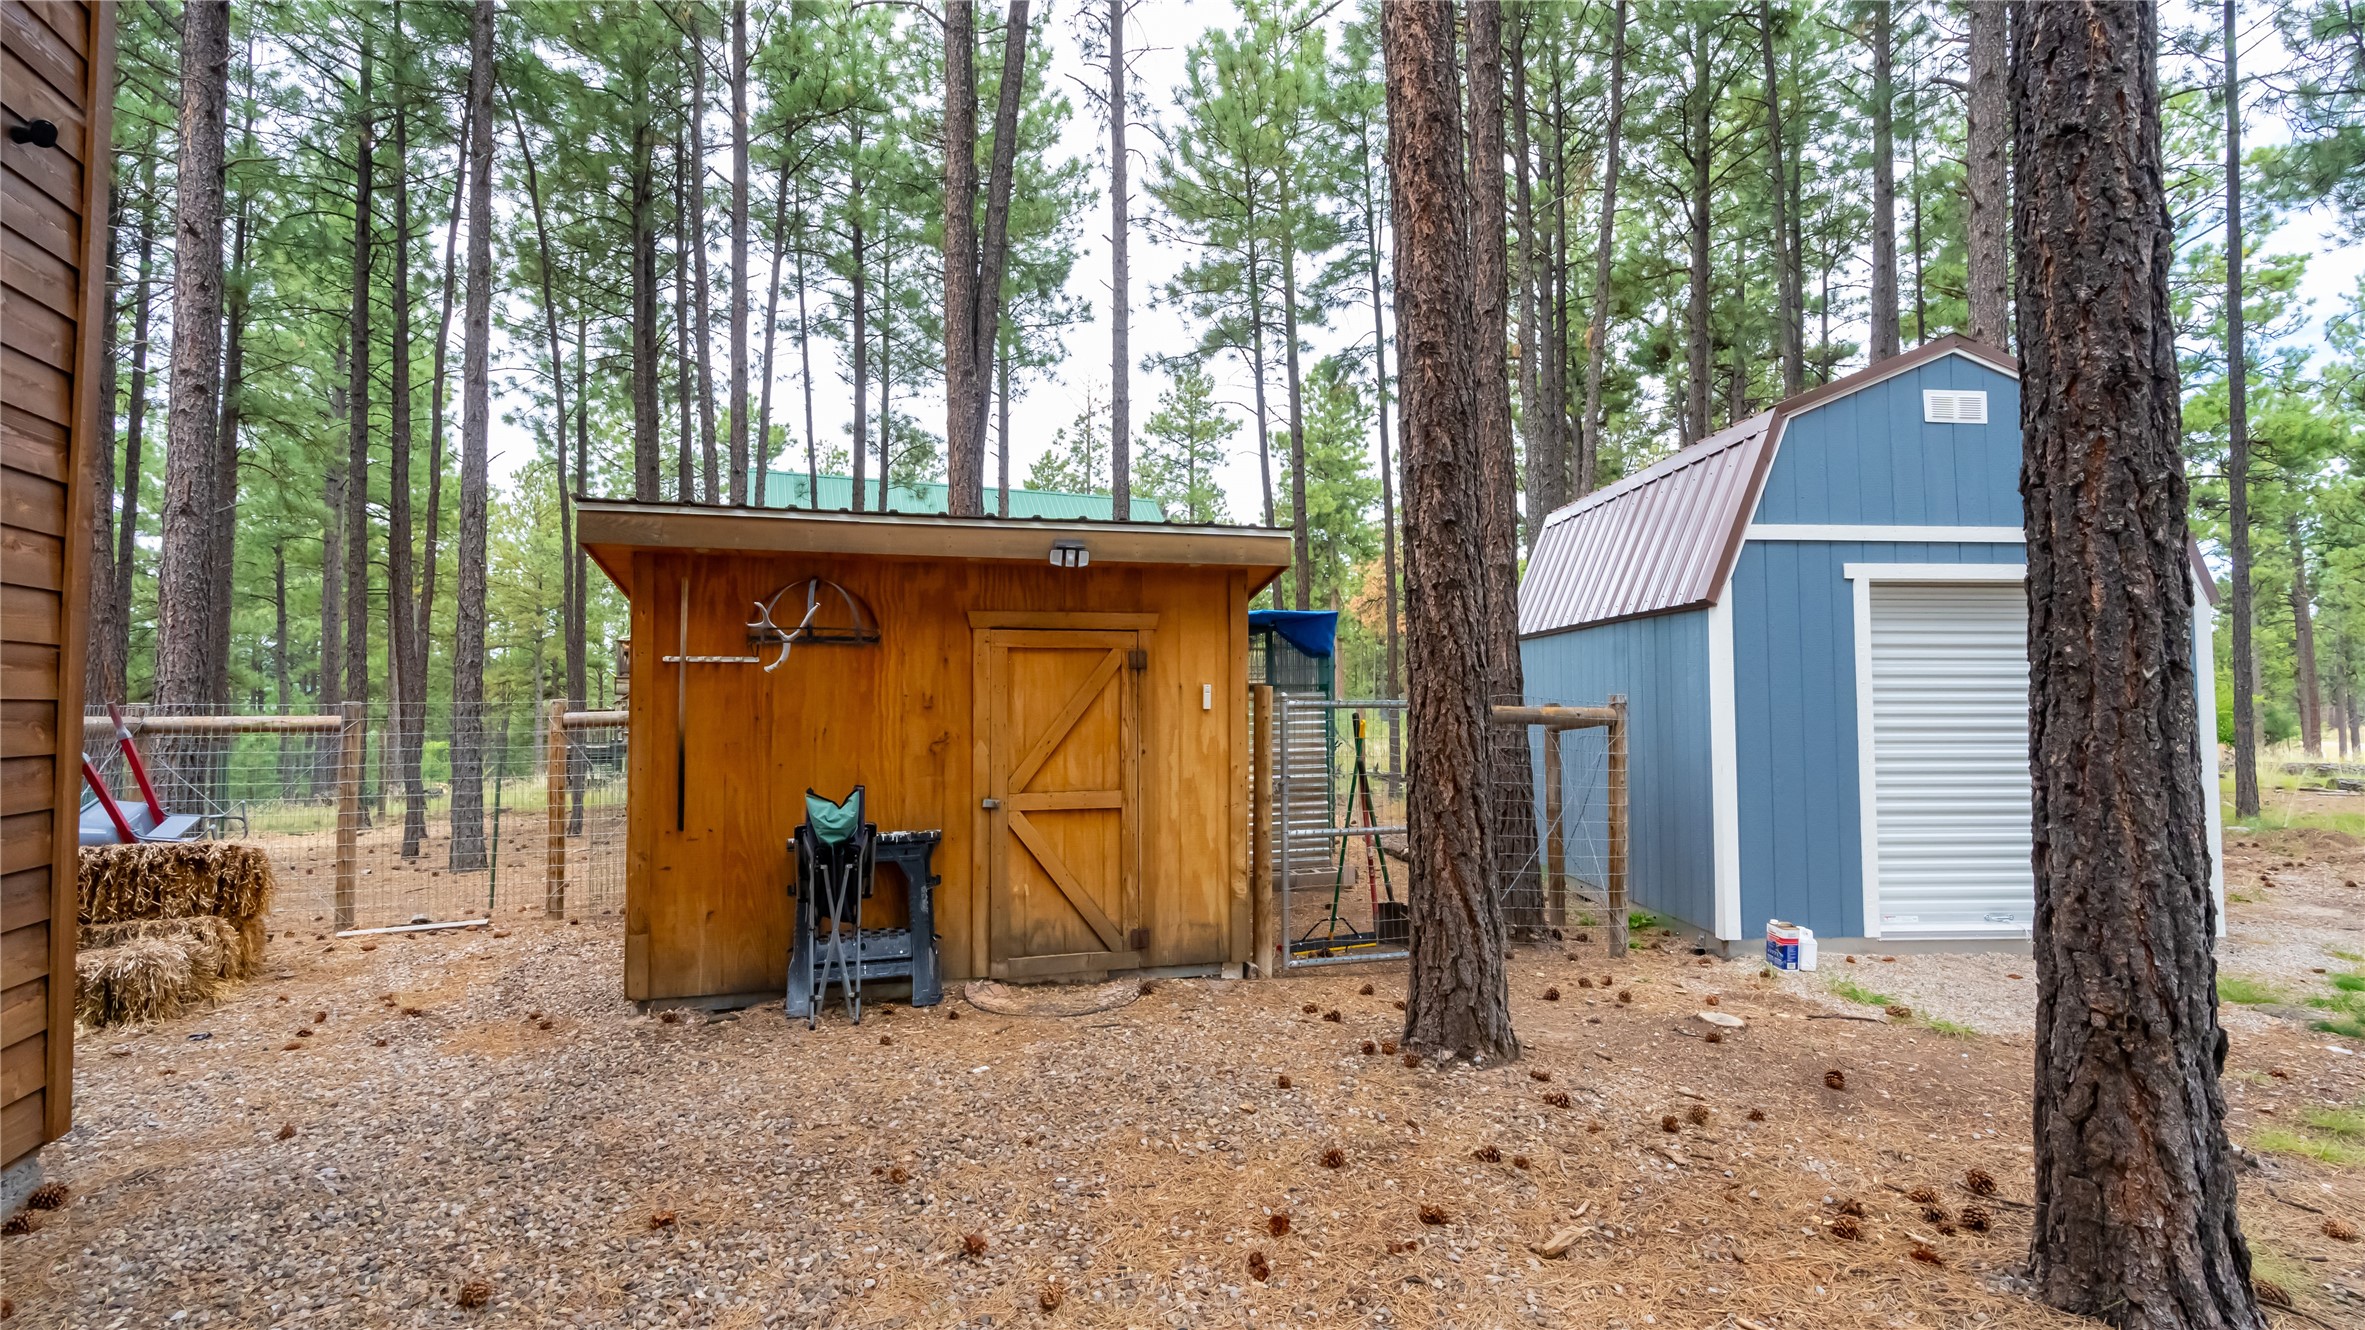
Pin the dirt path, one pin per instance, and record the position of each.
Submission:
(597, 1167)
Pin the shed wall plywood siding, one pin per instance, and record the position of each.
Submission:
(1660, 664)
(707, 905)
(1794, 681)
(1869, 458)
(56, 64)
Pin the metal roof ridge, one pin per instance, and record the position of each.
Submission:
(1731, 436)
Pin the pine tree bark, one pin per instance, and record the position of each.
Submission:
(1498, 455)
(685, 457)
(186, 582)
(1545, 473)
(1884, 187)
(1986, 186)
(1379, 390)
(1790, 336)
(235, 306)
(416, 674)
(135, 413)
(356, 528)
(405, 728)
(99, 685)
(2135, 1218)
(858, 281)
(569, 590)
(1120, 285)
(962, 472)
(646, 463)
(1301, 573)
(2241, 595)
(468, 638)
(739, 302)
(693, 177)
(2303, 643)
(805, 367)
(763, 433)
(1699, 207)
(1457, 1001)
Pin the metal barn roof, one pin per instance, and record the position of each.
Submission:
(1665, 538)
(1658, 540)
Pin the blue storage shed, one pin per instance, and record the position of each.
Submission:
(1818, 620)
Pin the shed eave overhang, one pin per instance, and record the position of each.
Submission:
(612, 530)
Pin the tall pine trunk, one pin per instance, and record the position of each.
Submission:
(1884, 188)
(960, 251)
(2135, 1218)
(2303, 643)
(1790, 336)
(685, 464)
(1546, 472)
(415, 671)
(694, 180)
(805, 368)
(763, 433)
(1457, 1000)
(402, 652)
(186, 581)
(1120, 287)
(1301, 576)
(1379, 389)
(738, 314)
(569, 591)
(2237, 455)
(100, 683)
(356, 522)
(135, 414)
(1699, 206)
(859, 281)
(468, 638)
(645, 354)
(1498, 455)
(1986, 189)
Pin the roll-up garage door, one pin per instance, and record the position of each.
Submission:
(1950, 759)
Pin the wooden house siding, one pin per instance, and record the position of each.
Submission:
(707, 910)
(56, 64)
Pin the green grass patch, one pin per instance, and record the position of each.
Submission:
(1951, 1029)
(2245, 992)
(2353, 958)
(2343, 1122)
(2349, 983)
(2333, 1150)
(1855, 992)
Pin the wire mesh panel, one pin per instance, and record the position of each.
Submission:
(1339, 871)
(1557, 797)
(370, 820)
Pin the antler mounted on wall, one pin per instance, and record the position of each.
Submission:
(819, 621)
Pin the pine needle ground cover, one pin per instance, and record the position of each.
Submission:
(499, 1124)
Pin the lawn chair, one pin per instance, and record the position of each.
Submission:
(834, 848)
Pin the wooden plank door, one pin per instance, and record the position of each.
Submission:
(1060, 808)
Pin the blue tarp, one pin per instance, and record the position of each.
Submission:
(1314, 632)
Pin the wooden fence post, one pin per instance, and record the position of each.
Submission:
(1266, 929)
(350, 737)
(554, 783)
(1555, 860)
(1617, 825)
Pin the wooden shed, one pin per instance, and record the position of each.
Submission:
(1065, 701)
(57, 79)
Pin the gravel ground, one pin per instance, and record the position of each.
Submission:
(354, 1138)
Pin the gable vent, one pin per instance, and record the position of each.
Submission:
(1954, 406)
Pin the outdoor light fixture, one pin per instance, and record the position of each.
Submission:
(1069, 554)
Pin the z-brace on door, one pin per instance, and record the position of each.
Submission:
(1063, 847)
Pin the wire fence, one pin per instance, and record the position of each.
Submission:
(1334, 864)
(372, 820)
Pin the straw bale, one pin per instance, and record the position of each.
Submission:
(219, 948)
(164, 881)
(143, 979)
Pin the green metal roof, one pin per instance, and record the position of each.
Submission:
(790, 490)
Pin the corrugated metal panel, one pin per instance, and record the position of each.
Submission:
(1950, 759)
(1653, 542)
